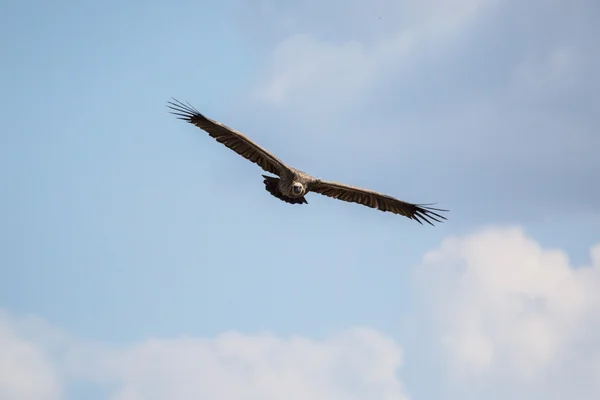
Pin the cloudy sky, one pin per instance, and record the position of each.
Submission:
(140, 259)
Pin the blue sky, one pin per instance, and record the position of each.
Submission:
(120, 224)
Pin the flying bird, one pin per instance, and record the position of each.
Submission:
(291, 185)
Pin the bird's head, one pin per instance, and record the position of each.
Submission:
(297, 189)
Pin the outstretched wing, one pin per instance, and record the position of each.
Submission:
(231, 138)
(379, 201)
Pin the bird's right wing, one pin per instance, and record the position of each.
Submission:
(379, 201)
(231, 138)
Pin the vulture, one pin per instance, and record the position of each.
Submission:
(292, 185)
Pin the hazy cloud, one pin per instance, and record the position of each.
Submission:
(494, 104)
(336, 67)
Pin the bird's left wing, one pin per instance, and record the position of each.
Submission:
(379, 201)
(231, 138)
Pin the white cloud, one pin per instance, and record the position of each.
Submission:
(26, 373)
(508, 317)
(503, 307)
(355, 364)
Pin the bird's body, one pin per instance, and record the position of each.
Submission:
(291, 185)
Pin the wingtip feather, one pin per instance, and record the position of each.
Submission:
(184, 111)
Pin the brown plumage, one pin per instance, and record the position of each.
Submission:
(292, 185)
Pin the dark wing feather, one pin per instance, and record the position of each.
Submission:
(231, 138)
(379, 201)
